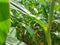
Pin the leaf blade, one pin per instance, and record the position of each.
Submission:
(4, 20)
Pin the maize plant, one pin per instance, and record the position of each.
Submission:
(35, 22)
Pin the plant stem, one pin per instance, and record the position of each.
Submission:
(50, 19)
(48, 37)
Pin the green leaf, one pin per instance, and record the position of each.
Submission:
(28, 28)
(4, 20)
(25, 11)
(44, 25)
(43, 2)
(31, 31)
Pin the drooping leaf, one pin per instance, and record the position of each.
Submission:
(31, 32)
(25, 11)
(4, 20)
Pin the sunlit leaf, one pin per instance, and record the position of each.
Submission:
(4, 20)
(25, 11)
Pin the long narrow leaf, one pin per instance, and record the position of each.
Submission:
(4, 20)
(23, 9)
(28, 28)
(31, 31)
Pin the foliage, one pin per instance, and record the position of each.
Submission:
(4, 20)
(36, 22)
(38, 15)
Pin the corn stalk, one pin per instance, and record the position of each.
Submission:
(50, 19)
